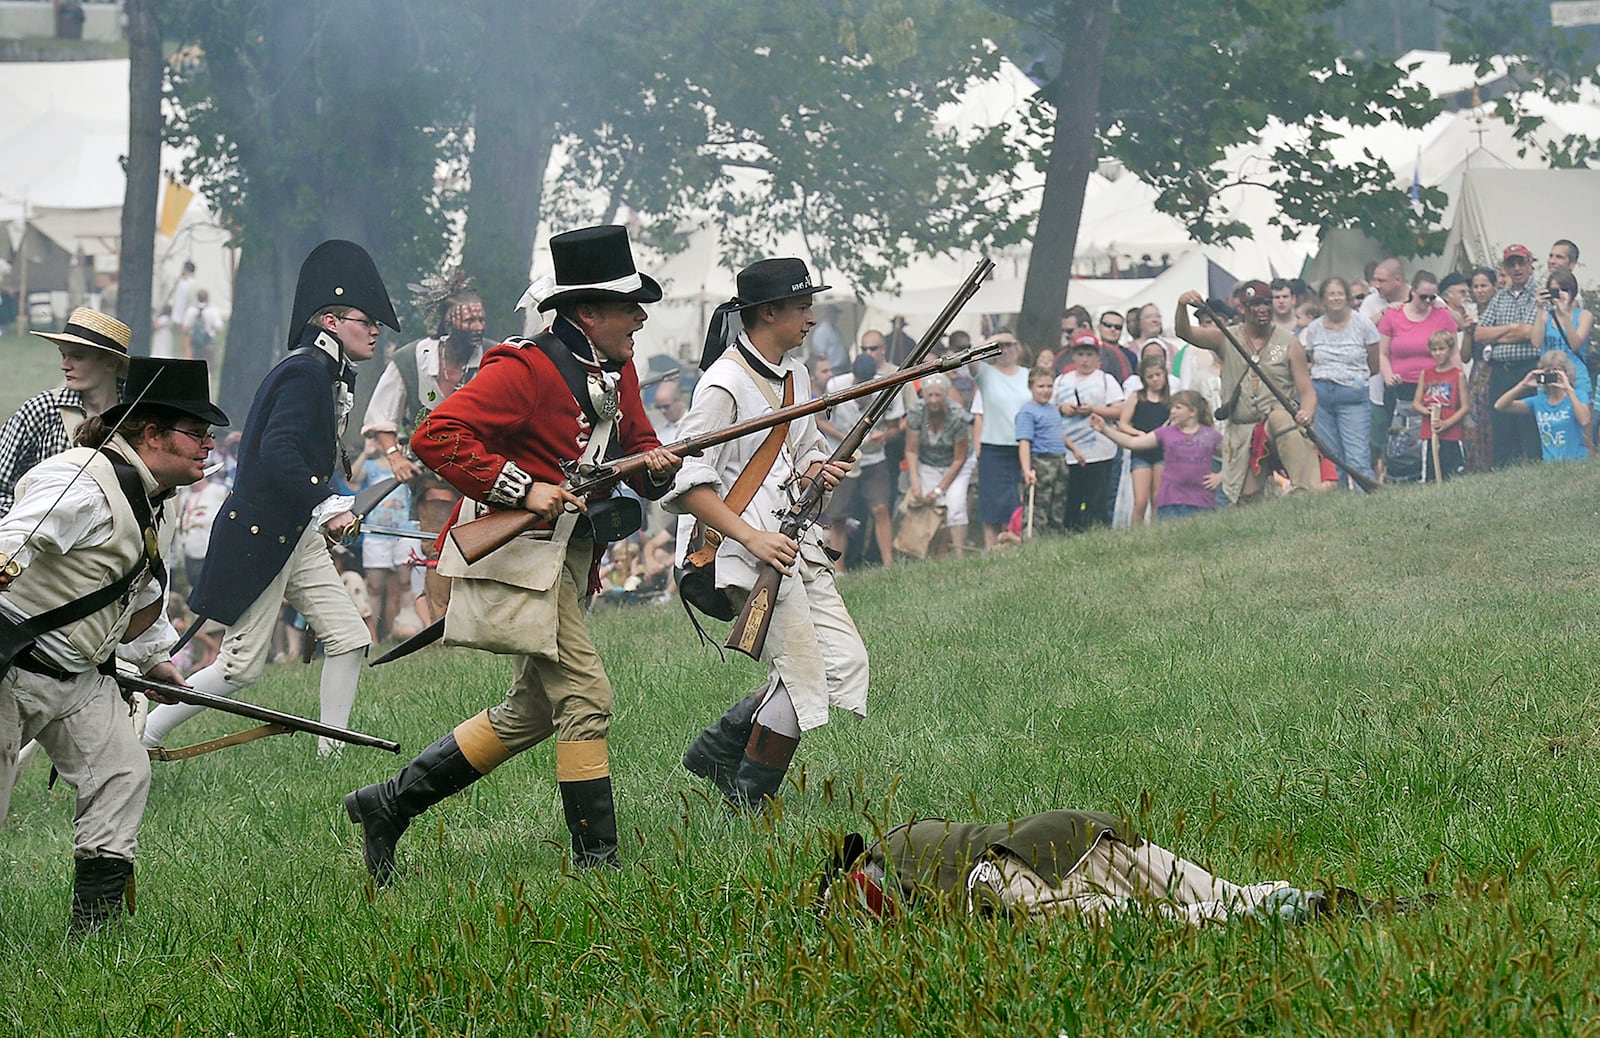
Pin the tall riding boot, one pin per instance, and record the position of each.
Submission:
(715, 752)
(592, 820)
(100, 889)
(384, 809)
(761, 770)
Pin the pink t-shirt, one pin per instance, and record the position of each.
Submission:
(1408, 339)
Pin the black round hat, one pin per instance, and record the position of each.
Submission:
(177, 385)
(774, 280)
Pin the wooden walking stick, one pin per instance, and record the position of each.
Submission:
(1433, 437)
(1028, 529)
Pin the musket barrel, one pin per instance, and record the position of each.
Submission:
(194, 697)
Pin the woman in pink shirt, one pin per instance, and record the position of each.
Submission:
(1403, 346)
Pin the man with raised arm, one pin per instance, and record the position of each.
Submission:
(1249, 403)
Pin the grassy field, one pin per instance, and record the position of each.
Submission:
(31, 364)
(1391, 693)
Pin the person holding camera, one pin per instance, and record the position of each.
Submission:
(1560, 416)
(1566, 327)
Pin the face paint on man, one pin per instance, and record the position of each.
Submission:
(466, 320)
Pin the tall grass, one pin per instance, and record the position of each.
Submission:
(1391, 693)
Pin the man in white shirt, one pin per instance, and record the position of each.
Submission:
(82, 540)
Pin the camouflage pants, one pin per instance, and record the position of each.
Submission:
(1049, 494)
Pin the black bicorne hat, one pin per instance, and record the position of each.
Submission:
(177, 385)
(595, 263)
(764, 281)
(339, 273)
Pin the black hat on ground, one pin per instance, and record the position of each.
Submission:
(339, 273)
(176, 385)
(594, 264)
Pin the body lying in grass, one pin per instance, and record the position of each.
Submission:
(1057, 863)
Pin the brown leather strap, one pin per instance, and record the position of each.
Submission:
(236, 739)
(744, 488)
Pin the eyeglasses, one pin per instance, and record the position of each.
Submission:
(872, 349)
(201, 438)
(1427, 297)
(366, 322)
(1111, 327)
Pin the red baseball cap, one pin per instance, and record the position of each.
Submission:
(1085, 341)
(1516, 250)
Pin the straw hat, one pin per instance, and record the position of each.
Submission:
(94, 329)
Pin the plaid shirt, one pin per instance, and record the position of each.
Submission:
(31, 435)
(1510, 306)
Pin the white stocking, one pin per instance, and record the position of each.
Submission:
(168, 716)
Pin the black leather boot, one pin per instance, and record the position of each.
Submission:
(592, 820)
(766, 760)
(100, 889)
(384, 809)
(715, 752)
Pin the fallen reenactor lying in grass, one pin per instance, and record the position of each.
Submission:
(1058, 863)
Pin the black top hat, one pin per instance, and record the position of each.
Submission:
(773, 281)
(596, 263)
(339, 273)
(176, 385)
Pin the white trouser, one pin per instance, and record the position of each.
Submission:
(311, 584)
(1114, 877)
(84, 728)
(813, 648)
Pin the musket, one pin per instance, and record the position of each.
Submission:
(669, 375)
(282, 721)
(480, 537)
(1361, 479)
(365, 502)
(749, 632)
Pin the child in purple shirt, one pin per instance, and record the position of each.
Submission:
(1188, 442)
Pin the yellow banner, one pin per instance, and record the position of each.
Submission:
(174, 201)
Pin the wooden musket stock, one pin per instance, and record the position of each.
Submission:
(480, 537)
(749, 631)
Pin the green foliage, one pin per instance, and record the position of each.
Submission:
(305, 117)
(818, 120)
(1185, 83)
(1547, 63)
(1381, 692)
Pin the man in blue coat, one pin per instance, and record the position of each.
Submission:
(267, 543)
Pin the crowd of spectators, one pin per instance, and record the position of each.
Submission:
(1412, 377)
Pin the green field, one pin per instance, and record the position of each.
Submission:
(1391, 693)
(30, 364)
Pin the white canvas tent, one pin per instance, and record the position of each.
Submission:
(63, 135)
(1500, 207)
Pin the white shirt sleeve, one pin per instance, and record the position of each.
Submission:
(388, 398)
(155, 644)
(68, 508)
(331, 506)
(712, 410)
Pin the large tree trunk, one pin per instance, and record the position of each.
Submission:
(1076, 97)
(513, 126)
(137, 261)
